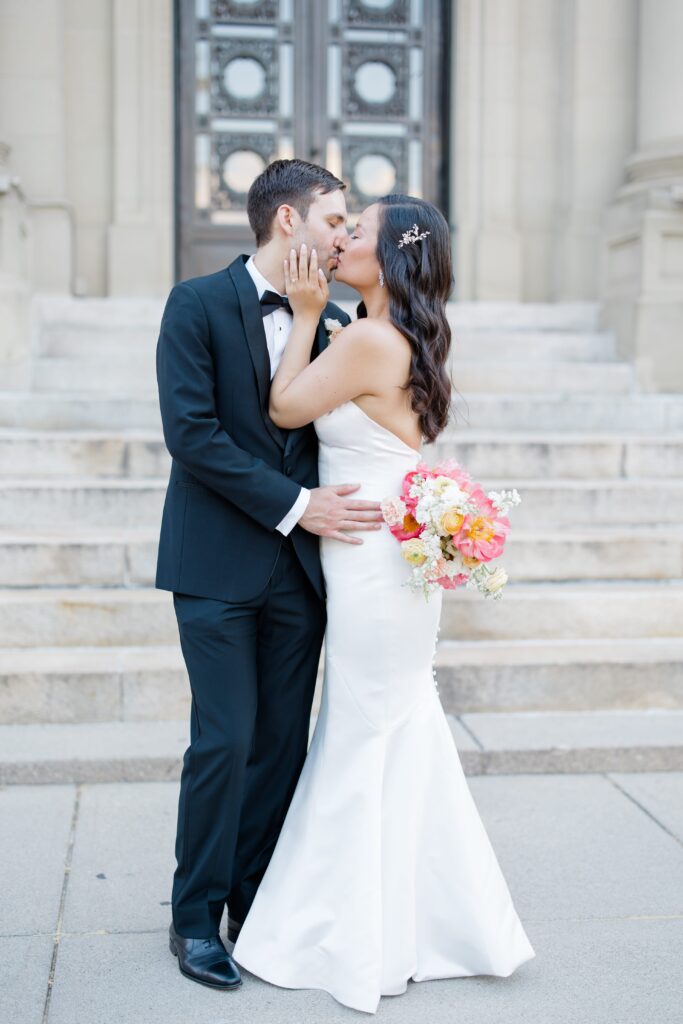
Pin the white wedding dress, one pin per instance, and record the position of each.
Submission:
(383, 870)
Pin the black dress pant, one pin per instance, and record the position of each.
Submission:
(252, 669)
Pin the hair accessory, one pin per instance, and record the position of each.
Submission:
(412, 236)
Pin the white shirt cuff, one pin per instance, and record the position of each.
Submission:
(295, 513)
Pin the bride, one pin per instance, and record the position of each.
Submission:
(383, 871)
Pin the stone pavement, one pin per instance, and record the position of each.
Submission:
(594, 862)
(489, 743)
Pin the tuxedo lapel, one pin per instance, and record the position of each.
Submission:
(256, 339)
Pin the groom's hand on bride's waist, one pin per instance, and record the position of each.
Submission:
(332, 513)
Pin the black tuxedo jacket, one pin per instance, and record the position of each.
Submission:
(234, 474)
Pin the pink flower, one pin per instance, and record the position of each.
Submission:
(422, 470)
(483, 534)
(449, 583)
(454, 471)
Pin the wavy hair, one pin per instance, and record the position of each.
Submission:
(419, 280)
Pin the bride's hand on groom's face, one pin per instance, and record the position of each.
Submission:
(331, 513)
(305, 283)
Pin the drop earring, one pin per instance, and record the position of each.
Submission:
(381, 279)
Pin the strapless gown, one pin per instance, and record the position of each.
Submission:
(383, 871)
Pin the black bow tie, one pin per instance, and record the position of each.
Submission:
(270, 301)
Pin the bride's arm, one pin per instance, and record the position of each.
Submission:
(350, 366)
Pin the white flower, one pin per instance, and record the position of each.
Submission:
(333, 327)
(504, 500)
(497, 579)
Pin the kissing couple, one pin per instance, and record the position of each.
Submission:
(360, 863)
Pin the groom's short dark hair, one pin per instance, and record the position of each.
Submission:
(294, 182)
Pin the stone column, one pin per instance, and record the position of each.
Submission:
(488, 253)
(595, 120)
(14, 287)
(644, 243)
(140, 238)
(32, 123)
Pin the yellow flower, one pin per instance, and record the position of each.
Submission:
(452, 520)
(414, 551)
(470, 562)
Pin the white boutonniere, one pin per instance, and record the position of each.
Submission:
(333, 327)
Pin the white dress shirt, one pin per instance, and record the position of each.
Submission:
(277, 326)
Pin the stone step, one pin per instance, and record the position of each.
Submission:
(573, 610)
(116, 557)
(75, 411)
(66, 617)
(598, 741)
(56, 503)
(534, 346)
(576, 674)
(101, 684)
(93, 684)
(524, 316)
(66, 453)
(139, 318)
(560, 410)
(135, 454)
(569, 455)
(485, 375)
(136, 375)
(87, 502)
(100, 558)
(529, 411)
(98, 373)
(110, 343)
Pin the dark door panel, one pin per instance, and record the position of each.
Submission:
(357, 86)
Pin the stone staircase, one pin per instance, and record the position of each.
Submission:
(592, 617)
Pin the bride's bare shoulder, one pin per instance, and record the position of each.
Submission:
(380, 336)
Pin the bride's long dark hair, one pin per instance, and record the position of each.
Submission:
(419, 280)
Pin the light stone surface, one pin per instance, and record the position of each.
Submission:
(575, 847)
(540, 730)
(660, 794)
(606, 933)
(126, 834)
(35, 822)
(24, 970)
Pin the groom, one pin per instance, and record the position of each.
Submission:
(239, 549)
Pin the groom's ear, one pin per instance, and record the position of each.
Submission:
(286, 219)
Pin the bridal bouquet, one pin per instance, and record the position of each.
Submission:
(449, 529)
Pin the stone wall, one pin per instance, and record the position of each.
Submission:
(566, 155)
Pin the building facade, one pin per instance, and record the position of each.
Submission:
(549, 131)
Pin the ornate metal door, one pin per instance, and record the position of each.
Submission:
(358, 85)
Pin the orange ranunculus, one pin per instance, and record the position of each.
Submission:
(407, 529)
(410, 524)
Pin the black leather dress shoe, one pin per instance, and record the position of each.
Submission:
(204, 960)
